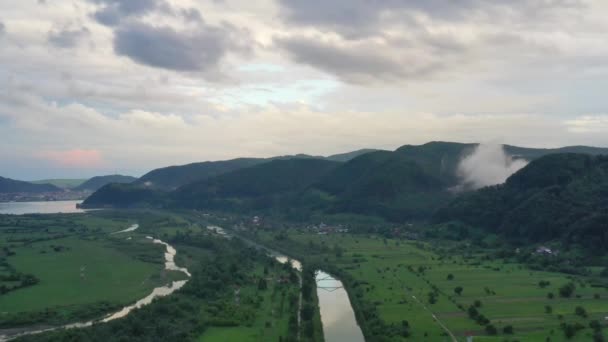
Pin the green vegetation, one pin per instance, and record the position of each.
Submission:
(60, 268)
(562, 197)
(222, 300)
(392, 281)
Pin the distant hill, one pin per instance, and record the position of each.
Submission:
(61, 183)
(96, 183)
(172, 177)
(344, 157)
(8, 185)
(256, 187)
(558, 196)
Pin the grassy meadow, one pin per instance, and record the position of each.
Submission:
(80, 269)
(399, 277)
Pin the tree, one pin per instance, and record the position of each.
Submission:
(580, 311)
(548, 309)
(477, 303)
(491, 330)
(262, 285)
(472, 311)
(508, 329)
(458, 290)
(450, 276)
(567, 290)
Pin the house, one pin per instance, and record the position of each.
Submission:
(545, 251)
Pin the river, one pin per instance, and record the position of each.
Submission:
(337, 315)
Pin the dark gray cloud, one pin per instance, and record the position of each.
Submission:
(163, 47)
(355, 64)
(362, 17)
(67, 37)
(112, 12)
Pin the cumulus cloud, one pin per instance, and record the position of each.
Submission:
(357, 62)
(487, 165)
(164, 47)
(410, 39)
(363, 17)
(112, 12)
(67, 37)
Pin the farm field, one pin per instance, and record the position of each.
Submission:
(62, 268)
(409, 281)
(264, 314)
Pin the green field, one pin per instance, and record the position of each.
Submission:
(388, 274)
(264, 314)
(81, 270)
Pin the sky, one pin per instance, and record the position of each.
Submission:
(90, 87)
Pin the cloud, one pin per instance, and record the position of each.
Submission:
(2, 28)
(357, 62)
(364, 17)
(588, 124)
(487, 165)
(201, 49)
(75, 158)
(112, 12)
(67, 37)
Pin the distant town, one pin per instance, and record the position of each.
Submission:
(65, 195)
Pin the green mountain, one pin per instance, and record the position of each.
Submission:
(61, 183)
(125, 195)
(261, 186)
(172, 177)
(382, 183)
(409, 183)
(558, 196)
(344, 157)
(96, 183)
(8, 185)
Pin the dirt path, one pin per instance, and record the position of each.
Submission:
(454, 339)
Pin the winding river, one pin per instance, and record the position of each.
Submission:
(337, 315)
(161, 291)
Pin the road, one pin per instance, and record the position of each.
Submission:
(454, 339)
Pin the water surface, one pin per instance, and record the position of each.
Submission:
(50, 207)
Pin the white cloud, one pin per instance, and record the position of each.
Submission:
(487, 165)
(310, 84)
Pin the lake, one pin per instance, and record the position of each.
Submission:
(50, 207)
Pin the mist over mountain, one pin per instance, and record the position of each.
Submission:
(558, 196)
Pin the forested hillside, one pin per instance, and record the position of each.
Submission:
(561, 196)
(410, 183)
(8, 185)
(96, 183)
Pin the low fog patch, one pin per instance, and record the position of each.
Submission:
(487, 165)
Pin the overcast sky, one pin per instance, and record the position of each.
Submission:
(93, 87)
